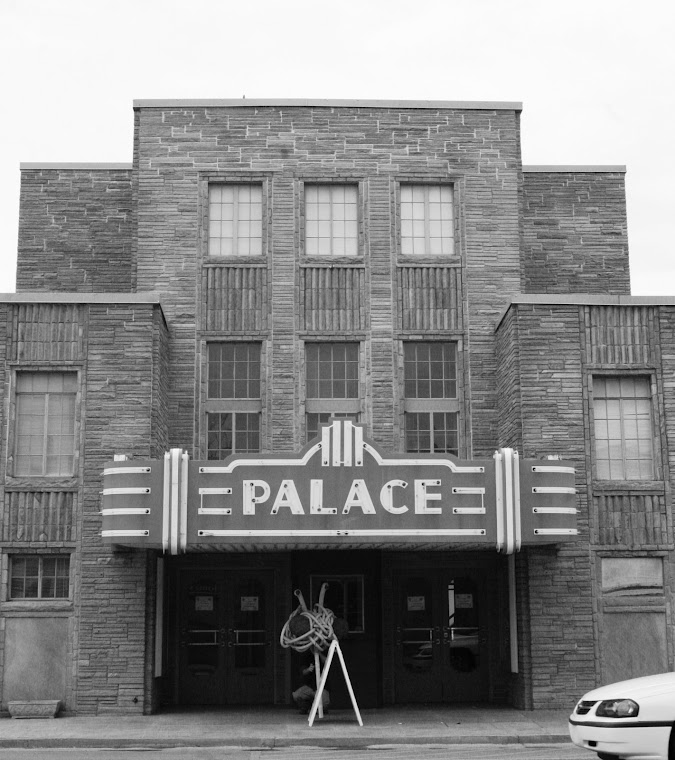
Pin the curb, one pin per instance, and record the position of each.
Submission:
(278, 743)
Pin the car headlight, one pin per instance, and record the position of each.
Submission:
(617, 708)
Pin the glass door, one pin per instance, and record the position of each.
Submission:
(441, 637)
(225, 653)
(249, 665)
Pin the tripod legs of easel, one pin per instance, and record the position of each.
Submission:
(317, 674)
(322, 684)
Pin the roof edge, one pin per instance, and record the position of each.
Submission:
(27, 166)
(328, 103)
(149, 297)
(582, 299)
(577, 169)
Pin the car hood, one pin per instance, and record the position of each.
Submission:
(635, 688)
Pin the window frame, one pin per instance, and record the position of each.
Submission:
(232, 405)
(430, 406)
(427, 183)
(13, 437)
(41, 557)
(330, 182)
(349, 407)
(235, 181)
(626, 483)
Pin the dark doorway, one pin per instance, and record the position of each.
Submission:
(441, 635)
(225, 642)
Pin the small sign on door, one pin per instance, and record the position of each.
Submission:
(463, 601)
(249, 604)
(417, 604)
(203, 604)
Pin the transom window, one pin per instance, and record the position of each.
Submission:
(39, 577)
(344, 597)
(431, 404)
(624, 438)
(235, 220)
(233, 403)
(332, 383)
(427, 220)
(45, 423)
(331, 220)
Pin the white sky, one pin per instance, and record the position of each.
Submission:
(596, 79)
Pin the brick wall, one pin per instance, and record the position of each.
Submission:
(575, 232)
(555, 583)
(508, 383)
(75, 230)
(113, 585)
(180, 148)
(566, 622)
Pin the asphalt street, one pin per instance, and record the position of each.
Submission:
(565, 751)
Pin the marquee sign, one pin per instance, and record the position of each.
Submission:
(340, 490)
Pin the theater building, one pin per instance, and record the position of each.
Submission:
(345, 342)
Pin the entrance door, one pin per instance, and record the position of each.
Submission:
(225, 654)
(441, 636)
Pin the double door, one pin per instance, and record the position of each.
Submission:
(225, 637)
(441, 644)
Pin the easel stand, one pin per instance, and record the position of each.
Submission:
(317, 705)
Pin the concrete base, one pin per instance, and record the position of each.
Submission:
(34, 708)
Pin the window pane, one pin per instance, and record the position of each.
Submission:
(45, 423)
(332, 370)
(247, 433)
(417, 432)
(623, 428)
(432, 432)
(445, 432)
(232, 433)
(427, 220)
(235, 220)
(219, 435)
(233, 370)
(430, 370)
(331, 220)
(39, 577)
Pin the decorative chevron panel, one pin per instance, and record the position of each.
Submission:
(333, 298)
(47, 332)
(429, 298)
(236, 298)
(33, 516)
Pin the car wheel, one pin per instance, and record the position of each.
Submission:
(671, 744)
(605, 756)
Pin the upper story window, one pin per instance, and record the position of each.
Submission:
(427, 220)
(431, 404)
(624, 436)
(332, 383)
(45, 424)
(331, 220)
(39, 576)
(233, 405)
(235, 220)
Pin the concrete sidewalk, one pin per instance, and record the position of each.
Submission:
(282, 727)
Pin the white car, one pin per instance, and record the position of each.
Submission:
(628, 719)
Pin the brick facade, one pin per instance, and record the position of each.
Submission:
(114, 281)
(79, 219)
